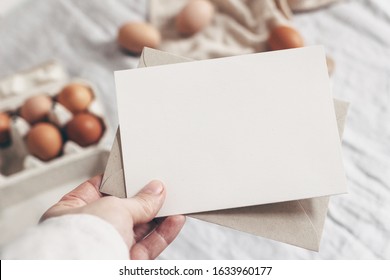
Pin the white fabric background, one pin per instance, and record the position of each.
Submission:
(82, 34)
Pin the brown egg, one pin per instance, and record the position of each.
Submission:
(5, 128)
(44, 141)
(84, 129)
(36, 108)
(75, 97)
(194, 17)
(134, 36)
(284, 37)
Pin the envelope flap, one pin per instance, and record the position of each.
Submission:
(285, 222)
(312, 207)
(152, 57)
(113, 182)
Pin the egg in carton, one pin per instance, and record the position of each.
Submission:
(26, 168)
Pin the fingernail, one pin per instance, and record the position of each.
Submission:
(154, 187)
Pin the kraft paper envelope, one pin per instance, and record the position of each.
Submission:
(298, 222)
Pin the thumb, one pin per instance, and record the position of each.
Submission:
(145, 205)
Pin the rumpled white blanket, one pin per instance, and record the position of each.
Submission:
(81, 34)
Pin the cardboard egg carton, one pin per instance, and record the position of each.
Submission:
(23, 175)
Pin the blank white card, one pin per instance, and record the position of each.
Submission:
(231, 132)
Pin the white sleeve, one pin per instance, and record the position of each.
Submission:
(78, 236)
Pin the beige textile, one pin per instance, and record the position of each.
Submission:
(238, 27)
